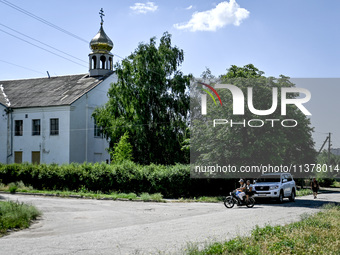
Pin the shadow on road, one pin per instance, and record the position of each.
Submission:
(300, 202)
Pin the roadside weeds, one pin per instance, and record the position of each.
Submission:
(313, 234)
(20, 188)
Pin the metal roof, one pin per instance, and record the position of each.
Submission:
(42, 92)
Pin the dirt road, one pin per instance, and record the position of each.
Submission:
(79, 226)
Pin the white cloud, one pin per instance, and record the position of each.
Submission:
(225, 13)
(189, 7)
(144, 8)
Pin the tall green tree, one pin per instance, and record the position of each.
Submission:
(150, 100)
(327, 161)
(248, 146)
(122, 150)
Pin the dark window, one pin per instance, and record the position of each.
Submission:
(94, 61)
(35, 127)
(36, 157)
(97, 131)
(18, 128)
(103, 60)
(18, 157)
(54, 126)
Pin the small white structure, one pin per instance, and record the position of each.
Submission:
(48, 120)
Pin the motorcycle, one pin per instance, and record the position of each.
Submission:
(233, 199)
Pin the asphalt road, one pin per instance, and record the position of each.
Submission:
(80, 226)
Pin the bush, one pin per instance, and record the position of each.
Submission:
(156, 197)
(326, 182)
(125, 177)
(145, 196)
(122, 150)
(12, 188)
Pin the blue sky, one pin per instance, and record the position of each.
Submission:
(294, 38)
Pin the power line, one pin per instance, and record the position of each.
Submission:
(53, 26)
(41, 20)
(41, 47)
(47, 22)
(42, 43)
(21, 66)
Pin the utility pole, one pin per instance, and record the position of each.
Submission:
(323, 144)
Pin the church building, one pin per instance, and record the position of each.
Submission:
(48, 120)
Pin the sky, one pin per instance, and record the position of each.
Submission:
(299, 39)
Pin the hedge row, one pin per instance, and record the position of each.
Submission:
(171, 181)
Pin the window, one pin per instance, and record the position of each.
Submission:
(97, 131)
(18, 157)
(18, 128)
(103, 61)
(36, 157)
(289, 178)
(94, 62)
(54, 126)
(35, 127)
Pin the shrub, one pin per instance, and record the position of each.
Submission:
(145, 196)
(156, 197)
(122, 150)
(12, 187)
(125, 177)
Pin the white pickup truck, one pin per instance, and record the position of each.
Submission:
(277, 186)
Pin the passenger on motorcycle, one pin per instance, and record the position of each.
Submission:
(240, 192)
(249, 189)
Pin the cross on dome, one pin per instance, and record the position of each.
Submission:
(101, 14)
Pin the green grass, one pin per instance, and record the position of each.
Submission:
(15, 215)
(83, 193)
(336, 184)
(202, 199)
(316, 234)
(303, 192)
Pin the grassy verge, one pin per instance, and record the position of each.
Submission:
(336, 184)
(83, 193)
(303, 192)
(316, 234)
(15, 215)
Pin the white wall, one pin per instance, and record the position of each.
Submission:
(75, 142)
(77, 131)
(53, 148)
(83, 145)
(3, 134)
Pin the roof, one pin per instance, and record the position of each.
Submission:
(41, 92)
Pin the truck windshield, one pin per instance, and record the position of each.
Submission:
(268, 178)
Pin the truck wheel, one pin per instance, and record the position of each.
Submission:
(280, 199)
(292, 196)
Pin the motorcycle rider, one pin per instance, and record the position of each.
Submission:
(240, 192)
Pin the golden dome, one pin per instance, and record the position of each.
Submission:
(101, 42)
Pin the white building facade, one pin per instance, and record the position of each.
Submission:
(49, 120)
